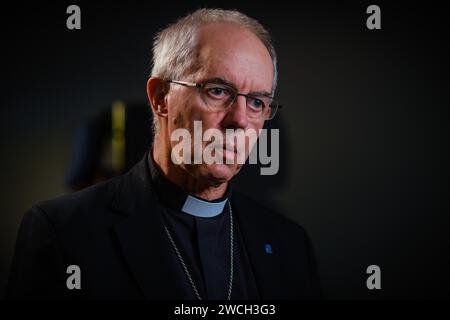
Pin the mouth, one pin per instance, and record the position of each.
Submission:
(230, 148)
(229, 151)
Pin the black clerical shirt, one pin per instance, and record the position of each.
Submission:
(204, 244)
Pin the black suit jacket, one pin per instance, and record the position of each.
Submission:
(114, 232)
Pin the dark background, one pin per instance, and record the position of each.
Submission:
(364, 124)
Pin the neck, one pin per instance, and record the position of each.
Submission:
(201, 188)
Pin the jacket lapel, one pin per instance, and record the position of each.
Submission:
(142, 239)
(261, 246)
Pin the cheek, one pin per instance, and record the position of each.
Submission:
(250, 144)
(178, 111)
(184, 109)
(208, 119)
(176, 122)
(198, 112)
(258, 127)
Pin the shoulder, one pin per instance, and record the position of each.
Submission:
(87, 203)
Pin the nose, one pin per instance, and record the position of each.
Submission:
(236, 116)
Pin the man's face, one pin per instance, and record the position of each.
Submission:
(236, 55)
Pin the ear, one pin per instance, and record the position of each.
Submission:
(156, 91)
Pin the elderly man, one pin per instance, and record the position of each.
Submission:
(177, 230)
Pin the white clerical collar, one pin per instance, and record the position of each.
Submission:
(201, 208)
(177, 199)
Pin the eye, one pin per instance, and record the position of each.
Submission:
(217, 92)
(256, 103)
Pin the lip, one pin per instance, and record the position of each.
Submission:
(230, 148)
(228, 151)
(229, 154)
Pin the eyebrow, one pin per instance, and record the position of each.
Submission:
(220, 80)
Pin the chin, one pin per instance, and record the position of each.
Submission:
(220, 173)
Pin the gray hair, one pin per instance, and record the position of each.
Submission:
(173, 47)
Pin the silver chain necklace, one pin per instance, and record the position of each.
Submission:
(186, 270)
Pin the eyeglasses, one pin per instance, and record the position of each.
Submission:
(220, 97)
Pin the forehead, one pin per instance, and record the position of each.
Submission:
(234, 53)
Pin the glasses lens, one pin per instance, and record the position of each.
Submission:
(262, 107)
(220, 97)
(273, 109)
(258, 106)
(217, 96)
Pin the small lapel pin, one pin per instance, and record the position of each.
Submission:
(268, 248)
